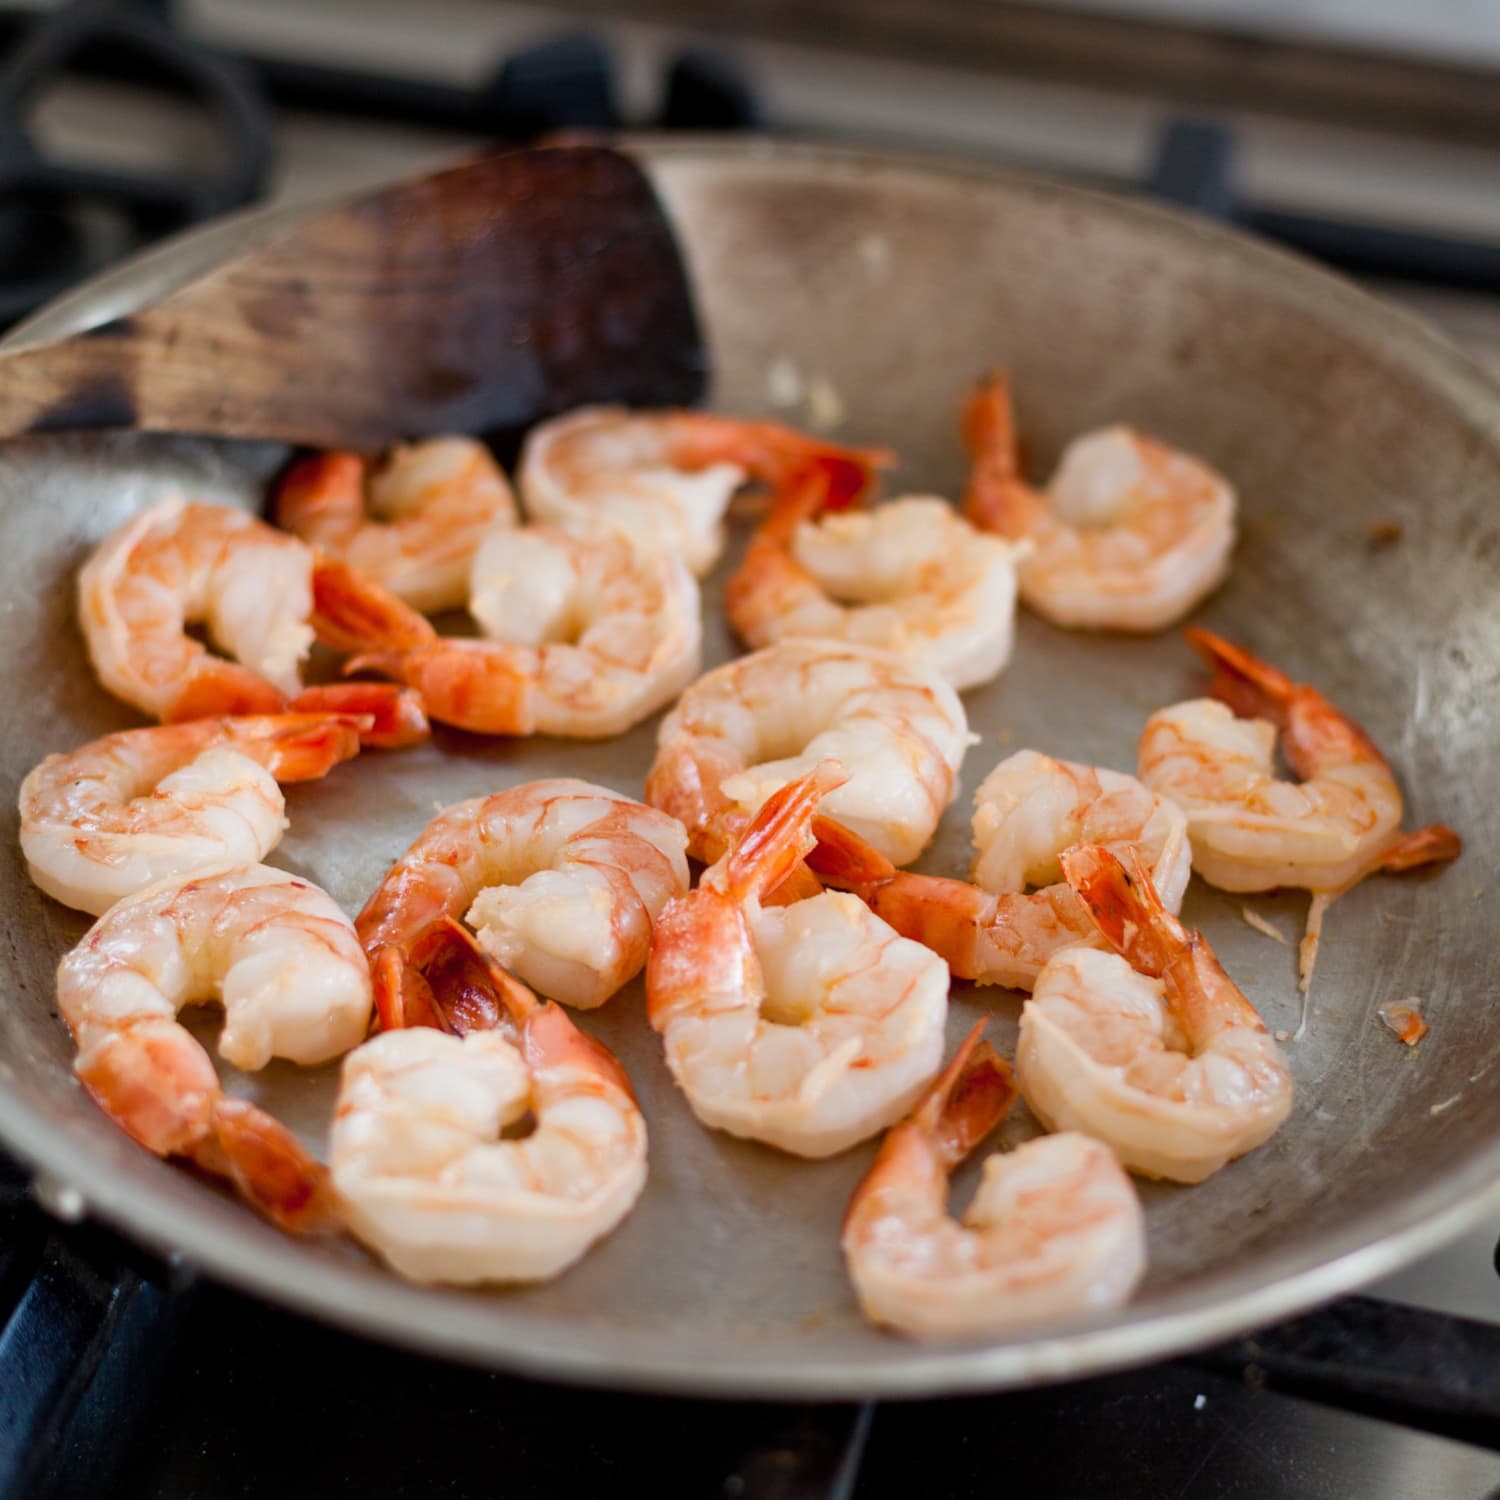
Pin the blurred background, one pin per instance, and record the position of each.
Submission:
(1365, 132)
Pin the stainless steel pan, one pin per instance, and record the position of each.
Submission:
(886, 284)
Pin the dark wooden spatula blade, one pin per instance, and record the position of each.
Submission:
(478, 299)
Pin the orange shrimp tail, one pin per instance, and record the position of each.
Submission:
(780, 834)
(950, 917)
(771, 451)
(996, 497)
(271, 1169)
(844, 859)
(353, 613)
(1311, 727)
(317, 489)
(301, 746)
(221, 689)
(392, 716)
(1424, 846)
(1125, 906)
(486, 687)
(549, 1039)
(445, 980)
(799, 884)
(1251, 687)
(967, 1100)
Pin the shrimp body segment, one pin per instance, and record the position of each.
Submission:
(1129, 534)
(411, 523)
(910, 576)
(418, 1156)
(284, 962)
(588, 636)
(262, 595)
(102, 821)
(1054, 1231)
(749, 727)
(1018, 912)
(809, 1026)
(560, 879)
(664, 478)
(1152, 1048)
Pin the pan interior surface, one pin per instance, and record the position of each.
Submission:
(867, 292)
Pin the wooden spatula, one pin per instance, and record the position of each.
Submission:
(477, 299)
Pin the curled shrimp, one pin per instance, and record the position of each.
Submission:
(589, 635)
(263, 597)
(1054, 1231)
(1128, 535)
(417, 1153)
(809, 1026)
(284, 962)
(911, 576)
(1027, 811)
(410, 523)
(1253, 831)
(663, 477)
(1152, 1048)
(749, 727)
(561, 879)
(104, 820)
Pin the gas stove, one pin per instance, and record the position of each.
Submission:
(121, 1376)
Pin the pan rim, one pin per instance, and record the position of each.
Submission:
(75, 1173)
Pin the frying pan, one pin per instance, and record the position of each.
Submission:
(883, 284)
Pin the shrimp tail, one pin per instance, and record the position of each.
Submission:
(799, 884)
(352, 613)
(846, 860)
(300, 746)
(1125, 906)
(1311, 727)
(394, 716)
(487, 687)
(1423, 846)
(445, 980)
(319, 485)
(967, 1100)
(996, 497)
(270, 1168)
(780, 834)
(771, 451)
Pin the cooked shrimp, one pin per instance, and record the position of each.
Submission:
(1129, 534)
(752, 725)
(284, 962)
(1253, 831)
(663, 477)
(590, 635)
(411, 523)
(561, 879)
(1027, 811)
(417, 1152)
(1152, 1048)
(911, 576)
(102, 821)
(262, 595)
(1054, 1231)
(809, 1026)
